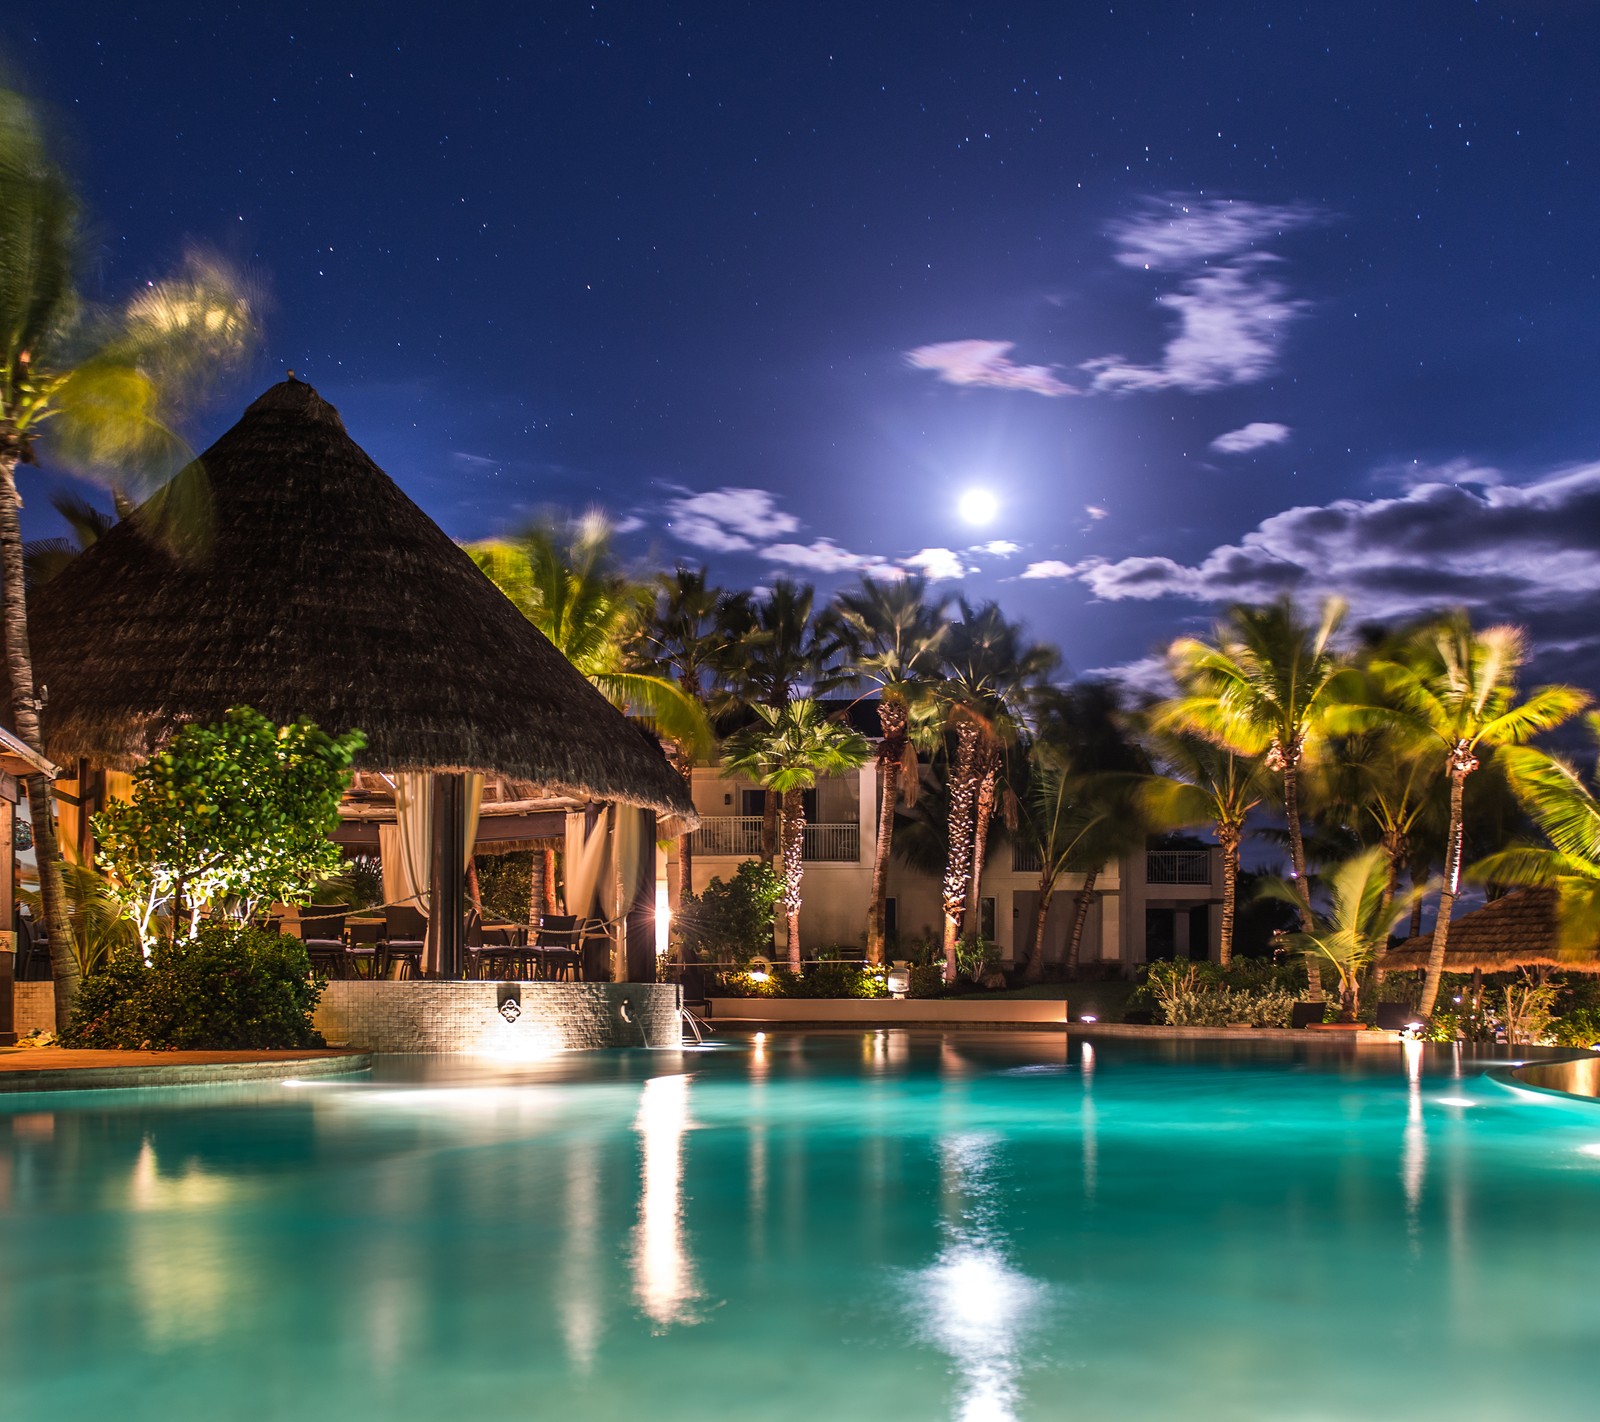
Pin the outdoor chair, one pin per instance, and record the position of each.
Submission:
(33, 950)
(364, 952)
(405, 934)
(478, 959)
(322, 931)
(1304, 1014)
(557, 947)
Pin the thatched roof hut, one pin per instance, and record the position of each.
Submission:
(326, 593)
(1518, 931)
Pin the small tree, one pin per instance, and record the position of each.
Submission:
(730, 921)
(785, 751)
(228, 818)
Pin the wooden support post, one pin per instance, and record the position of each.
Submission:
(640, 926)
(447, 878)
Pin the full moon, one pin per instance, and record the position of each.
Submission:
(978, 506)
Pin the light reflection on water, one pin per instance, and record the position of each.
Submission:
(979, 1228)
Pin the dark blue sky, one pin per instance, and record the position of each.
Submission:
(844, 263)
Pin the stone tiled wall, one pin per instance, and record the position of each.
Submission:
(33, 1007)
(466, 1017)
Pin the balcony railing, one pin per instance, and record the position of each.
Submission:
(1177, 866)
(739, 837)
(1025, 859)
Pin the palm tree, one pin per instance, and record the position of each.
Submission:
(891, 635)
(44, 558)
(990, 673)
(780, 650)
(1267, 684)
(690, 632)
(1205, 784)
(1567, 811)
(785, 751)
(108, 386)
(564, 577)
(1362, 912)
(1459, 688)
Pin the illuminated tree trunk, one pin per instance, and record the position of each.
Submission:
(1047, 888)
(25, 705)
(793, 830)
(535, 888)
(987, 786)
(771, 813)
(891, 766)
(958, 860)
(1462, 764)
(685, 847)
(1080, 916)
(1287, 760)
(1228, 837)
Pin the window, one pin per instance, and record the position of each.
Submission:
(986, 916)
(891, 918)
(752, 802)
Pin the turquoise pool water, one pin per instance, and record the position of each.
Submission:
(879, 1225)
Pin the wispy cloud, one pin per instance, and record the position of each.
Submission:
(825, 556)
(997, 548)
(1049, 568)
(1258, 434)
(1178, 233)
(728, 520)
(1095, 512)
(986, 363)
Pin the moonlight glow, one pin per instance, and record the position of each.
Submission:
(978, 506)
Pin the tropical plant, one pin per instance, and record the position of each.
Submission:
(1567, 812)
(1055, 815)
(564, 577)
(778, 651)
(1205, 784)
(45, 558)
(1459, 688)
(1362, 912)
(689, 634)
(785, 751)
(891, 635)
(228, 817)
(980, 702)
(1266, 685)
(102, 918)
(108, 385)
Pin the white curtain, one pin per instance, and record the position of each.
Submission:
(406, 846)
(627, 856)
(584, 861)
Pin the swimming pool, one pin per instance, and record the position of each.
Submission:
(868, 1225)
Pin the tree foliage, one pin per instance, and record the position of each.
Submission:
(229, 817)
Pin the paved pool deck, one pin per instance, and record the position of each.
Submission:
(67, 1069)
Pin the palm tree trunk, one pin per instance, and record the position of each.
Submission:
(1080, 916)
(793, 828)
(1394, 850)
(551, 904)
(891, 753)
(1047, 889)
(771, 830)
(685, 765)
(1297, 860)
(1228, 837)
(64, 967)
(1459, 770)
(1416, 912)
(535, 887)
(987, 787)
(958, 858)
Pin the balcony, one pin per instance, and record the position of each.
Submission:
(739, 837)
(1177, 866)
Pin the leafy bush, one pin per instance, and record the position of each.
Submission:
(832, 980)
(358, 884)
(1203, 995)
(1577, 1029)
(975, 957)
(228, 988)
(731, 921)
(505, 885)
(927, 980)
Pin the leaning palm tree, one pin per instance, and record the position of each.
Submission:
(564, 577)
(45, 558)
(1362, 913)
(1459, 688)
(1267, 684)
(785, 751)
(891, 636)
(1204, 784)
(1056, 814)
(1567, 812)
(108, 387)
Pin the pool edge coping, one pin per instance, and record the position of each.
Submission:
(149, 1075)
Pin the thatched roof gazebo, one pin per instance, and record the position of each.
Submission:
(325, 593)
(1517, 931)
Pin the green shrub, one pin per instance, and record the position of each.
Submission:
(1577, 1029)
(927, 980)
(505, 885)
(1201, 994)
(819, 980)
(975, 957)
(731, 921)
(228, 988)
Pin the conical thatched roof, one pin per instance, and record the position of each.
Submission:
(327, 594)
(1517, 931)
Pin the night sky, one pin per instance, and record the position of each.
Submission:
(1214, 301)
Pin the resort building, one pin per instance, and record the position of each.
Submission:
(1160, 903)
